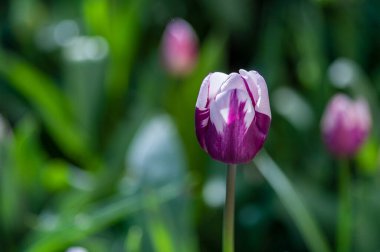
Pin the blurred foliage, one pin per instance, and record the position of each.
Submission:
(97, 143)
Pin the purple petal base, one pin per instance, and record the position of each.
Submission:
(202, 118)
(235, 146)
(344, 142)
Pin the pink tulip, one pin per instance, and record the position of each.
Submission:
(179, 48)
(345, 125)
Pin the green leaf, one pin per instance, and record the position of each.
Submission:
(119, 23)
(10, 193)
(157, 228)
(101, 215)
(133, 240)
(49, 101)
(96, 16)
(303, 219)
(28, 156)
(368, 157)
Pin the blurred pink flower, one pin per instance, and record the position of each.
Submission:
(179, 48)
(345, 125)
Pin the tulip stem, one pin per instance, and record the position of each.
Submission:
(345, 205)
(229, 209)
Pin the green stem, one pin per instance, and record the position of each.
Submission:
(345, 205)
(228, 227)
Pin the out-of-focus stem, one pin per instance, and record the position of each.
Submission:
(229, 209)
(345, 207)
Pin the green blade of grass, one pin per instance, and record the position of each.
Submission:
(303, 219)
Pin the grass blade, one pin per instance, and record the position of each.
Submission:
(303, 219)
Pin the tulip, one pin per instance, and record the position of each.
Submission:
(345, 125)
(179, 48)
(232, 115)
(232, 119)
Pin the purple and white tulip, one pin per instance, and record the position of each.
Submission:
(232, 115)
(345, 125)
(179, 48)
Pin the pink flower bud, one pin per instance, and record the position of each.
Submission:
(345, 125)
(232, 115)
(179, 48)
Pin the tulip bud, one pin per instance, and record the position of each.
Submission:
(179, 48)
(232, 115)
(345, 125)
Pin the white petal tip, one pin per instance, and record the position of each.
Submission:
(243, 72)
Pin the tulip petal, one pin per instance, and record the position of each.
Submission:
(236, 133)
(251, 85)
(362, 112)
(260, 93)
(226, 109)
(209, 88)
(203, 93)
(216, 81)
(201, 124)
(234, 81)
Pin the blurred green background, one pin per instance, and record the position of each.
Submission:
(97, 142)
